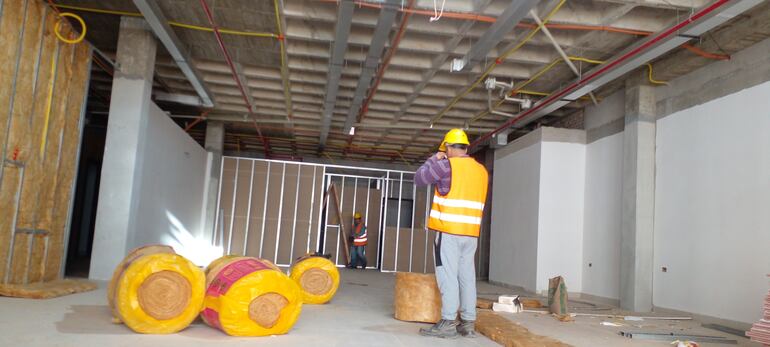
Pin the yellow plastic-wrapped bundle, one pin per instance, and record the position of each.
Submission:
(247, 296)
(318, 278)
(155, 291)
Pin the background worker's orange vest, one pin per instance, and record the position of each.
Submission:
(459, 212)
(359, 239)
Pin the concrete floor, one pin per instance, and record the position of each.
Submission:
(360, 315)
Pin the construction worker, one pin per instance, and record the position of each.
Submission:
(458, 203)
(359, 241)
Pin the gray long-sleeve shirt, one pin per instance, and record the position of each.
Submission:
(437, 172)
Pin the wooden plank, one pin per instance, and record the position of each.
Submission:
(9, 194)
(11, 29)
(335, 204)
(68, 167)
(20, 261)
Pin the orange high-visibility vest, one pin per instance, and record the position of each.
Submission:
(459, 211)
(359, 239)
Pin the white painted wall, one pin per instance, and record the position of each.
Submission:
(601, 232)
(560, 221)
(712, 225)
(513, 238)
(171, 193)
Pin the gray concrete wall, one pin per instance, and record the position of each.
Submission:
(172, 192)
(712, 229)
(745, 69)
(601, 232)
(124, 146)
(515, 201)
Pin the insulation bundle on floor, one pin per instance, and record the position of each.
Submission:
(156, 291)
(318, 278)
(417, 298)
(250, 297)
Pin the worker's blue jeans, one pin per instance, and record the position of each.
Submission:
(357, 256)
(456, 275)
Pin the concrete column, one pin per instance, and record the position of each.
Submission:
(638, 196)
(124, 147)
(215, 142)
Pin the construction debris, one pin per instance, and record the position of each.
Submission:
(557, 296)
(510, 334)
(484, 303)
(46, 290)
(760, 331)
(675, 336)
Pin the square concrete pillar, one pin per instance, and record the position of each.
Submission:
(215, 142)
(638, 196)
(123, 149)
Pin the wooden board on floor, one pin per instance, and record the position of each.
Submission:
(46, 290)
(510, 334)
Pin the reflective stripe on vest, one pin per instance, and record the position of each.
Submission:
(459, 212)
(359, 239)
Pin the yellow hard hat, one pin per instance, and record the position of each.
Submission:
(357, 215)
(454, 136)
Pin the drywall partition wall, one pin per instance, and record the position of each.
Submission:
(560, 221)
(268, 209)
(712, 226)
(171, 194)
(601, 231)
(43, 83)
(515, 201)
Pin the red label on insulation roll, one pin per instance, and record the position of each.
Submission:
(232, 273)
(224, 280)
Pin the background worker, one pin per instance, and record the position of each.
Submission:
(358, 245)
(458, 204)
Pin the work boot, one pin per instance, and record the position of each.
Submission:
(446, 329)
(467, 329)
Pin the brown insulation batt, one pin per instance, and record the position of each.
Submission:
(417, 298)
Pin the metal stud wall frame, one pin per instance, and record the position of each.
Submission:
(275, 210)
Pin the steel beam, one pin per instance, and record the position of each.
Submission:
(631, 58)
(508, 20)
(159, 24)
(341, 33)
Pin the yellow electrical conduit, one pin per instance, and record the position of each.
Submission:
(532, 79)
(549, 67)
(49, 101)
(497, 61)
(172, 23)
(284, 70)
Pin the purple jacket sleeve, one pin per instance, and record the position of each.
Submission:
(437, 172)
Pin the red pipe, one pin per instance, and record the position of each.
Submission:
(557, 96)
(233, 71)
(385, 64)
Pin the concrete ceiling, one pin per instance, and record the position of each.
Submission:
(415, 87)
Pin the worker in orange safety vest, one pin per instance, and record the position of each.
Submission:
(359, 241)
(455, 215)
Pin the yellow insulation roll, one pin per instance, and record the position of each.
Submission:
(132, 255)
(318, 278)
(155, 291)
(247, 296)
